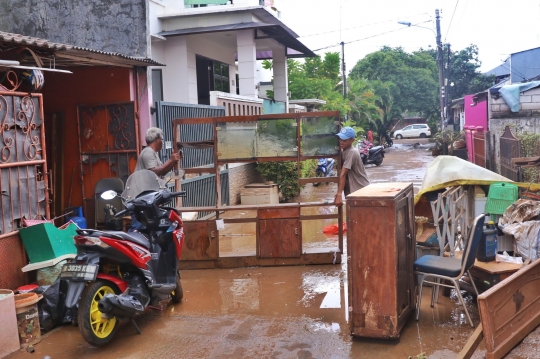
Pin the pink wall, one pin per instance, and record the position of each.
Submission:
(476, 115)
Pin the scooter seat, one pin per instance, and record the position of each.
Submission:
(133, 237)
(375, 149)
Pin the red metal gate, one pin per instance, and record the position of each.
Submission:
(108, 146)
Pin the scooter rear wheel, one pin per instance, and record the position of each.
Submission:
(94, 328)
(318, 173)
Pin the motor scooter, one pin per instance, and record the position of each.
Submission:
(370, 154)
(324, 168)
(388, 141)
(117, 275)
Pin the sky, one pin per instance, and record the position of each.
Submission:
(497, 27)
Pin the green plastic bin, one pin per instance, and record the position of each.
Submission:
(44, 241)
(500, 197)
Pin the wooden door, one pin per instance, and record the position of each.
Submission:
(280, 238)
(201, 241)
(404, 250)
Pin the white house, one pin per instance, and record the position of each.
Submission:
(211, 52)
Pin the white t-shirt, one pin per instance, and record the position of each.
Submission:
(148, 159)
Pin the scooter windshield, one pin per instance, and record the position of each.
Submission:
(140, 181)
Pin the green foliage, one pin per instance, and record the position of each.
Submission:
(414, 74)
(315, 78)
(284, 174)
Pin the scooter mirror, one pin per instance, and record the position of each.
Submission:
(107, 195)
(177, 175)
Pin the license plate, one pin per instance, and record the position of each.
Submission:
(79, 272)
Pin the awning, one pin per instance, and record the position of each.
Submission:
(66, 55)
(294, 47)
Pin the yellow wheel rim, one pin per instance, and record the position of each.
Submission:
(101, 326)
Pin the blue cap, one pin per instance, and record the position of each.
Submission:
(346, 133)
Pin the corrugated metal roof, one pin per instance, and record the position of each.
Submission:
(77, 54)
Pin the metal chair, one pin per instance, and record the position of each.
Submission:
(106, 184)
(451, 269)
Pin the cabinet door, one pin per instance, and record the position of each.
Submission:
(404, 250)
(280, 238)
(200, 242)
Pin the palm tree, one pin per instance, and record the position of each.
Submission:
(385, 93)
(362, 101)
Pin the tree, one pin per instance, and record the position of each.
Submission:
(415, 75)
(362, 99)
(315, 78)
(464, 75)
(386, 93)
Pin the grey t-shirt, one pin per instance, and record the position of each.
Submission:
(356, 177)
(148, 159)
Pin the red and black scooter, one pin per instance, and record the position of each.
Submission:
(117, 275)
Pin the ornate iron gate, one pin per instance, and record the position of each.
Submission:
(510, 147)
(108, 146)
(479, 143)
(23, 168)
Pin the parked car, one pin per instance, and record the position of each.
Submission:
(419, 130)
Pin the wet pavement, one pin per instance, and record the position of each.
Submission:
(282, 312)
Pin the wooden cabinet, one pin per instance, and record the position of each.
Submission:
(380, 247)
(280, 233)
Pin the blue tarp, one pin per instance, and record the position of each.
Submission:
(510, 93)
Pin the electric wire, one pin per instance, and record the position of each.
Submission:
(451, 19)
(369, 37)
(365, 25)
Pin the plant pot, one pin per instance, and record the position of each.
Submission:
(435, 152)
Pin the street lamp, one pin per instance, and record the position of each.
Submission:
(439, 58)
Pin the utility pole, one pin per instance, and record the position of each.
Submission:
(440, 64)
(447, 78)
(343, 70)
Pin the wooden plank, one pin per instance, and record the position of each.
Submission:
(510, 310)
(381, 190)
(319, 216)
(303, 181)
(280, 238)
(240, 220)
(253, 261)
(286, 212)
(201, 241)
(472, 343)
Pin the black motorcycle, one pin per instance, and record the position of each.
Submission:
(369, 154)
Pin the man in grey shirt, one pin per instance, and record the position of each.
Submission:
(149, 157)
(353, 175)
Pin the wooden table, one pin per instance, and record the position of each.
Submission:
(487, 274)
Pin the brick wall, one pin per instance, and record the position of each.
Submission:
(529, 106)
(241, 175)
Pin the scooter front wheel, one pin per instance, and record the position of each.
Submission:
(95, 328)
(178, 292)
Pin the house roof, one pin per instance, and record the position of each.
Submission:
(271, 27)
(67, 55)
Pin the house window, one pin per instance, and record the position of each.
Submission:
(221, 77)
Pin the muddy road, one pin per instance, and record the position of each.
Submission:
(282, 312)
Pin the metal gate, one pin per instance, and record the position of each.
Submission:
(479, 143)
(200, 190)
(108, 144)
(510, 147)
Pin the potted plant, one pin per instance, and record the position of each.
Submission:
(444, 142)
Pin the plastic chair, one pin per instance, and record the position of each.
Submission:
(107, 184)
(451, 269)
